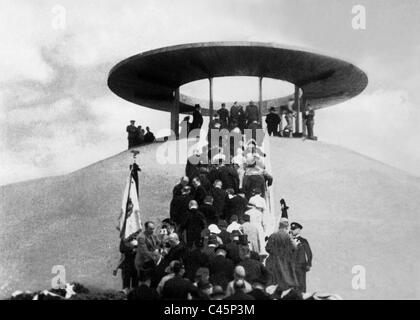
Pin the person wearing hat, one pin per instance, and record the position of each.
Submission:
(303, 255)
(272, 120)
(132, 134)
(224, 116)
(281, 248)
(309, 115)
(221, 268)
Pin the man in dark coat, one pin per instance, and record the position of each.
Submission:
(178, 288)
(192, 168)
(149, 137)
(194, 224)
(219, 197)
(177, 250)
(303, 256)
(224, 235)
(221, 268)
(273, 120)
(197, 118)
(179, 206)
(252, 113)
(236, 204)
(254, 269)
(209, 211)
(280, 262)
(223, 116)
(233, 247)
(132, 134)
(199, 191)
(229, 177)
(177, 190)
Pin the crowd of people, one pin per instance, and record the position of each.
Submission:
(215, 244)
(138, 136)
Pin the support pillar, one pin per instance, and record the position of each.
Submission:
(211, 111)
(303, 107)
(297, 106)
(175, 114)
(260, 97)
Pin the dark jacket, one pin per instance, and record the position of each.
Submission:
(252, 113)
(303, 254)
(254, 270)
(179, 207)
(210, 213)
(197, 120)
(194, 223)
(146, 245)
(199, 194)
(259, 294)
(235, 206)
(272, 120)
(219, 199)
(178, 288)
(221, 271)
(229, 177)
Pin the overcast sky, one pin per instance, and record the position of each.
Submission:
(57, 114)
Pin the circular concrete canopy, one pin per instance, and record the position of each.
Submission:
(150, 78)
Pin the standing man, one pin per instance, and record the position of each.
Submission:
(147, 246)
(132, 134)
(309, 117)
(194, 224)
(235, 112)
(128, 248)
(281, 249)
(252, 113)
(223, 116)
(273, 121)
(303, 257)
(197, 118)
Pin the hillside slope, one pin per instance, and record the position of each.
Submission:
(355, 211)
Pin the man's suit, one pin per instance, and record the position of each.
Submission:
(146, 245)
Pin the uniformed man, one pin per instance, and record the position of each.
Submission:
(223, 116)
(303, 255)
(132, 134)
